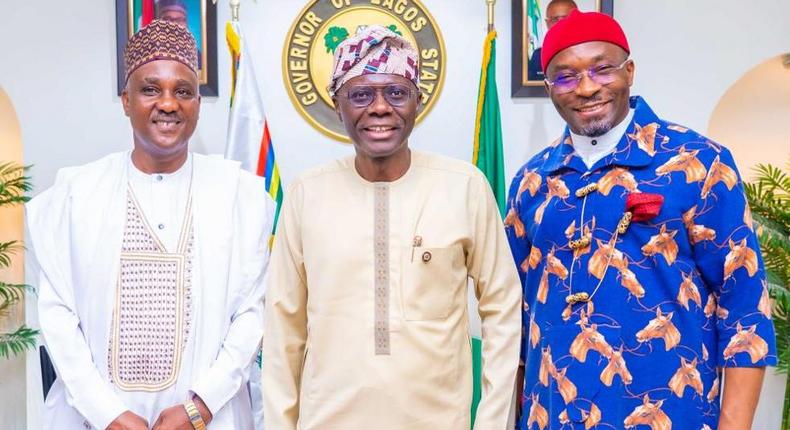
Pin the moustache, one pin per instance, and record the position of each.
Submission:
(595, 98)
(166, 117)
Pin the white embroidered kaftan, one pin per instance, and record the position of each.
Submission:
(77, 231)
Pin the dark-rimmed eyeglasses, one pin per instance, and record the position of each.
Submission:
(567, 81)
(361, 96)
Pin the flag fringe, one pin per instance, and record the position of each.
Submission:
(481, 94)
(234, 45)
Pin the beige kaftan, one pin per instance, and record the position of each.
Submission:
(366, 314)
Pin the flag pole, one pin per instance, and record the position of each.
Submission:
(491, 4)
(234, 9)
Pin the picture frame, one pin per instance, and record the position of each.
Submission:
(526, 77)
(200, 16)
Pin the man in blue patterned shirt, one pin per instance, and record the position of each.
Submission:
(643, 280)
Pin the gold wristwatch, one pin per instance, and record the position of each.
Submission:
(194, 415)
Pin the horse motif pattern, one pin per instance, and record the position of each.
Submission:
(649, 414)
(537, 414)
(688, 292)
(623, 326)
(687, 375)
(589, 339)
(698, 233)
(616, 366)
(746, 340)
(663, 243)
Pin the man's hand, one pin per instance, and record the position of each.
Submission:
(176, 417)
(128, 421)
(519, 392)
(203, 409)
(741, 392)
(173, 418)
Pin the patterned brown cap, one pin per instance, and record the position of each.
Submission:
(160, 40)
(374, 49)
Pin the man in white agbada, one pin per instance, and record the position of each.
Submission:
(152, 264)
(366, 309)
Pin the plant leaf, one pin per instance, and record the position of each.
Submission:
(15, 343)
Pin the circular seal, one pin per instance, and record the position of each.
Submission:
(324, 24)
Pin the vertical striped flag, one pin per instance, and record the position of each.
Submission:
(250, 143)
(488, 156)
(249, 140)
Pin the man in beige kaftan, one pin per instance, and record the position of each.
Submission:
(366, 309)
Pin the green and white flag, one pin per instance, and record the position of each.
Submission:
(488, 157)
(487, 154)
(535, 16)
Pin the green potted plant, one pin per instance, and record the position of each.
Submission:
(13, 186)
(769, 199)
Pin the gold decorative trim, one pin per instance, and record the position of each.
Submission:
(186, 226)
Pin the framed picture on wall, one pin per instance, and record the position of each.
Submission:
(199, 16)
(531, 21)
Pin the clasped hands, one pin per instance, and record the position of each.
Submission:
(172, 418)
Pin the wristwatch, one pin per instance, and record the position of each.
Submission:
(194, 415)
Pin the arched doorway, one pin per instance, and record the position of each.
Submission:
(751, 119)
(12, 371)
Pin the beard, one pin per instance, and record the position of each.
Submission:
(596, 128)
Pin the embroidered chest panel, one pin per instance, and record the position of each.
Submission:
(152, 315)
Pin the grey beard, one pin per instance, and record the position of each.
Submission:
(596, 128)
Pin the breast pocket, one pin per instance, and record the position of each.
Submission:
(432, 279)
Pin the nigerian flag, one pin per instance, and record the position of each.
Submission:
(487, 156)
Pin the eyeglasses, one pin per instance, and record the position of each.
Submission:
(551, 20)
(362, 96)
(567, 81)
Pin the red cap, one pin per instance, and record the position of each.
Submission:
(581, 27)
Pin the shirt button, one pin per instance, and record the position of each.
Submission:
(426, 257)
(161, 226)
(158, 178)
(594, 142)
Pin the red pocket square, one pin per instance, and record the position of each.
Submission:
(644, 206)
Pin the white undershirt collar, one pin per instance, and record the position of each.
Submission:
(592, 149)
(163, 198)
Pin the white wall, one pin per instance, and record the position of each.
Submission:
(61, 76)
(57, 63)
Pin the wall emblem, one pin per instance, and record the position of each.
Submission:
(324, 24)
